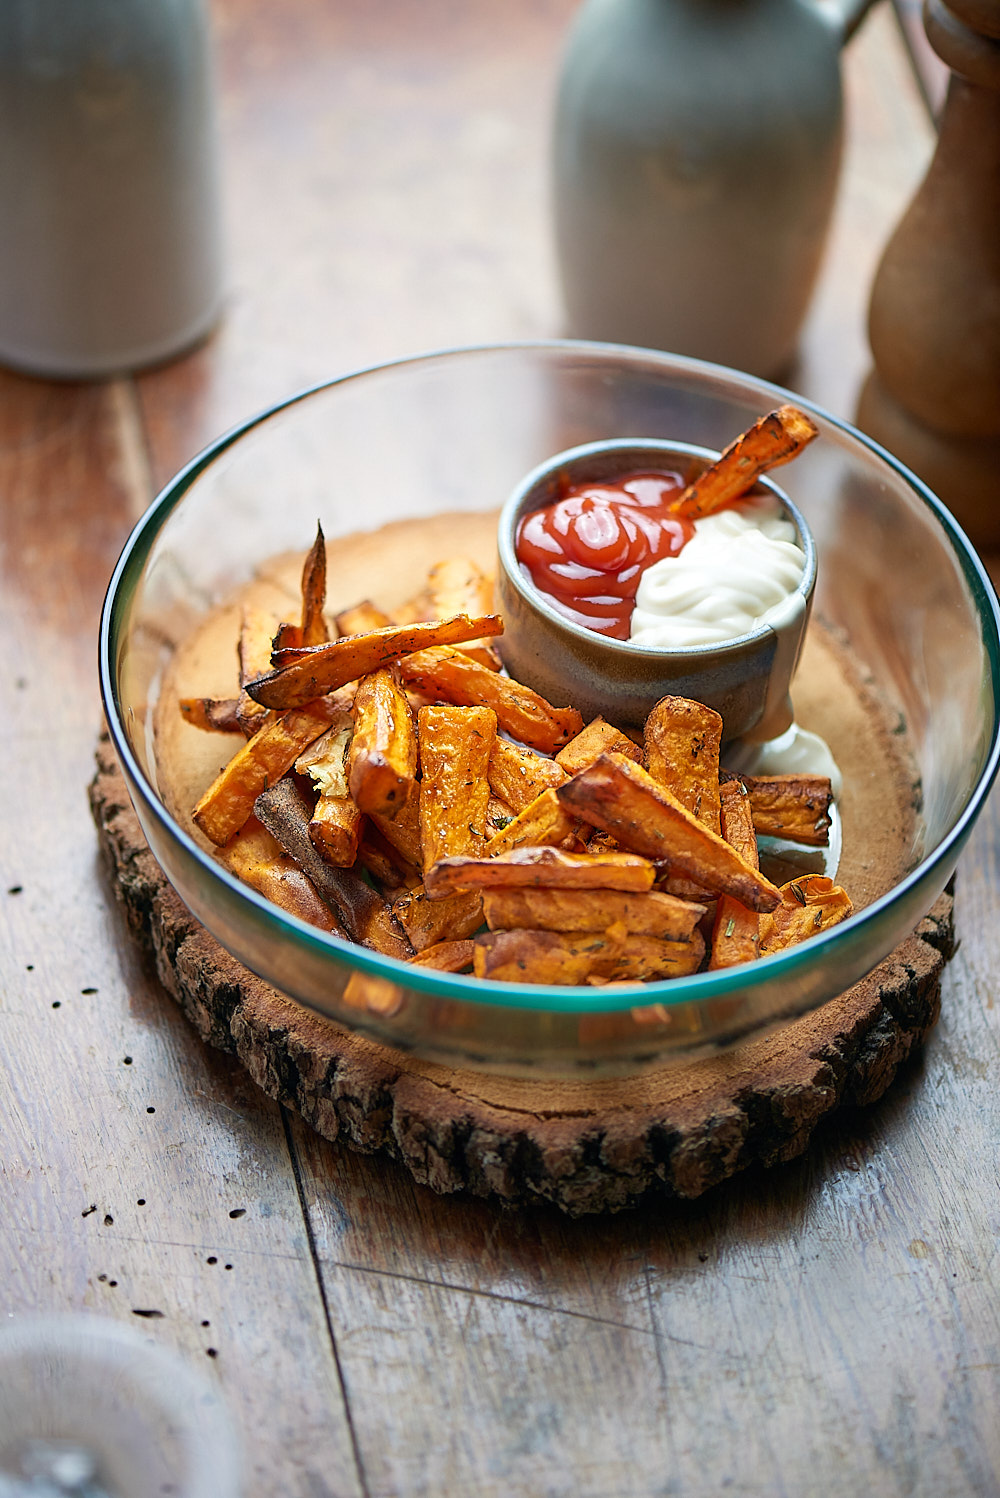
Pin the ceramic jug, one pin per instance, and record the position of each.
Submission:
(696, 155)
(109, 253)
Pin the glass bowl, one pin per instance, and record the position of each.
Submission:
(452, 433)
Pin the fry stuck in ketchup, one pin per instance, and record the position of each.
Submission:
(588, 551)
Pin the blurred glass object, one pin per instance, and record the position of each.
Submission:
(92, 1409)
(110, 252)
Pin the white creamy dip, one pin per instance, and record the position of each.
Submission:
(739, 570)
(796, 752)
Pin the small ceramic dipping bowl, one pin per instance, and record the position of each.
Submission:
(745, 679)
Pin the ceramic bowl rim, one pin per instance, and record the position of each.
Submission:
(515, 508)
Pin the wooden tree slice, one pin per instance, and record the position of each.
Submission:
(582, 1146)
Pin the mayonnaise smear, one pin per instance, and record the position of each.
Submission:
(739, 568)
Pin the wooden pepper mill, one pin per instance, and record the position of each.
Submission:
(933, 398)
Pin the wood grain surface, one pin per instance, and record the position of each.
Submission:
(830, 1327)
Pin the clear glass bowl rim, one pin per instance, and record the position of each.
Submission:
(566, 1001)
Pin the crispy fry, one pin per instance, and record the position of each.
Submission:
(285, 812)
(498, 815)
(314, 630)
(542, 823)
(736, 813)
(361, 619)
(796, 807)
(520, 711)
(287, 636)
(414, 609)
(518, 775)
(624, 799)
(455, 744)
(651, 914)
(591, 743)
(212, 714)
(428, 922)
(446, 956)
(775, 439)
(459, 586)
(736, 930)
(562, 958)
(682, 739)
(254, 655)
(808, 905)
(256, 858)
(335, 830)
(384, 862)
(403, 830)
(322, 668)
(382, 759)
(261, 762)
(548, 868)
(323, 760)
(336, 823)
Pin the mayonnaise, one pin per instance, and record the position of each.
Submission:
(796, 752)
(738, 571)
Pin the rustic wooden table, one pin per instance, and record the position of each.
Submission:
(831, 1326)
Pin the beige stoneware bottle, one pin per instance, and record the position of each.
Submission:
(696, 157)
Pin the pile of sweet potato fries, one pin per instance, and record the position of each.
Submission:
(396, 788)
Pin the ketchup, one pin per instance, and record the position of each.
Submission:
(587, 551)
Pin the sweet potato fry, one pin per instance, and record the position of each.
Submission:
(287, 636)
(682, 739)
(624, 799)
(254, 655)
(735, 929)
(498, 815)
(336, 823)
(428, 922)
(591, 743)
(323, 760)
(458, 586)
(775, 439)
(563, 958)
(285, 811)
(520, 712)
(446, 956)
(257, 859)
(385, 863)
(518, 775)
(414, 609)
(651, 914)
(455, 744)
(260, 762)
(403, 830)
(361, 619)
(212, 714)
(796, 807)
(314, 630)
(542, 823)
(808, 905)
(382, 759)
(548, 868)
(322, 668)
(335, 830)
(736, 815)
